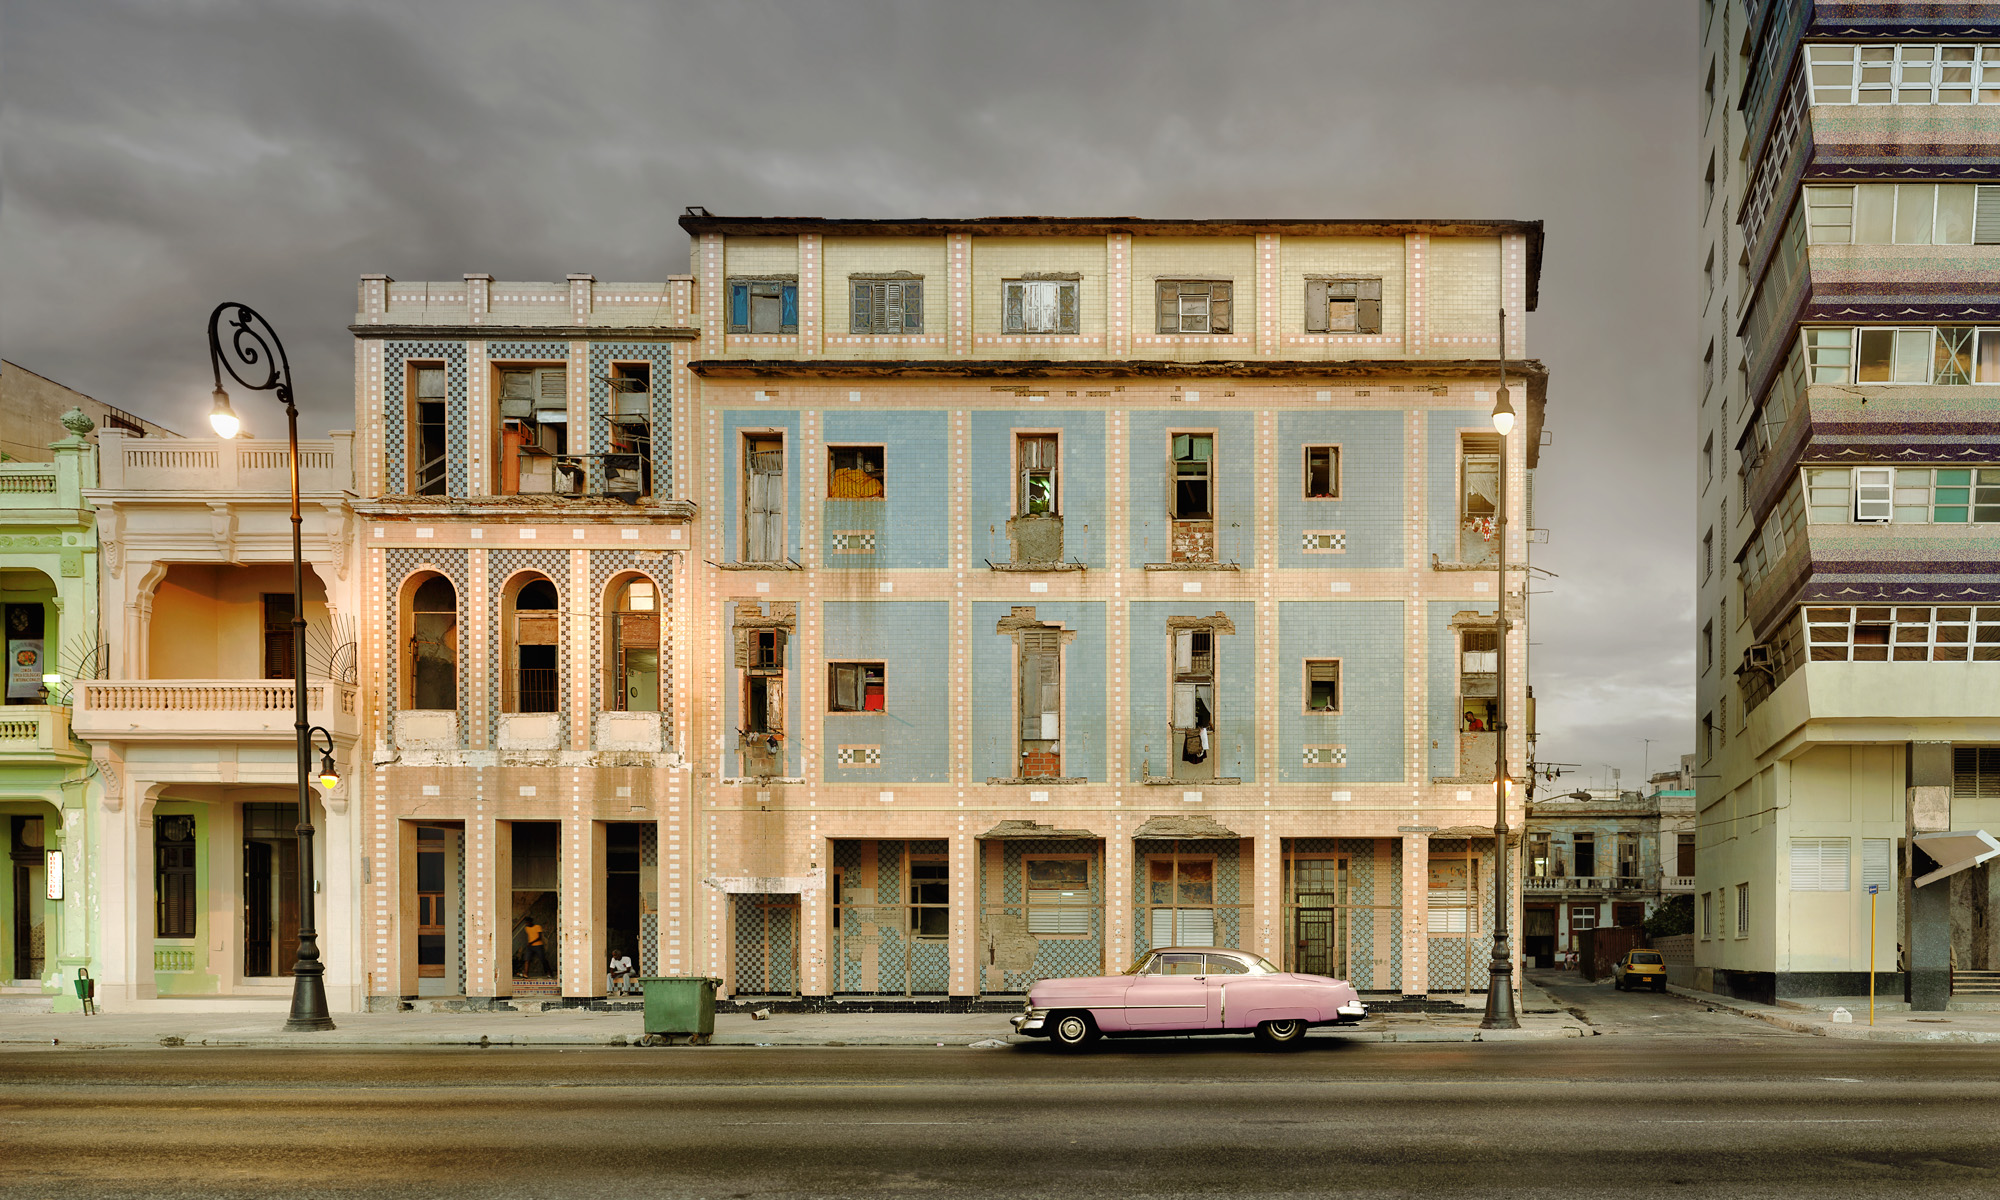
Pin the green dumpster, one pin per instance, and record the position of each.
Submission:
(680, 1005)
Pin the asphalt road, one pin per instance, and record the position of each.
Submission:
(1726, 1109)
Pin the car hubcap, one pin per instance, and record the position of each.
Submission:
(1284, 1030)
(1071, 1029)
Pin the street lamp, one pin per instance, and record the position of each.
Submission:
(254, 347)
(1500, 983)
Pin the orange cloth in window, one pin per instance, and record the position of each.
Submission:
(851, 483)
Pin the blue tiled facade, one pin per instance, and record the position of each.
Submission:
(907, 638)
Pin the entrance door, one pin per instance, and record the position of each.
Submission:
(430, 904)
(256, 908)
(1319, 916)
(270, 889)
(30, 896)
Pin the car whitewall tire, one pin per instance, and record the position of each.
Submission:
(1072, 1031)
(1281, 1033)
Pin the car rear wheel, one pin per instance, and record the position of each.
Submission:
(1281, 1033)
(1072, 1030)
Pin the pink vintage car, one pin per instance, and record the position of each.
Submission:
(1188, 989)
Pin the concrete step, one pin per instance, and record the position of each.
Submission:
(27, 1004)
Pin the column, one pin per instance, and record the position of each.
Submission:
(1269, 915)
(1416, 974)
(1929, 939)
(489, 934)
(580, 899)
(964, 910)
(1118, 900)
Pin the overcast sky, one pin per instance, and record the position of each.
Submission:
(162, 156)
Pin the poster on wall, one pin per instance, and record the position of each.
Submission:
(24, 668)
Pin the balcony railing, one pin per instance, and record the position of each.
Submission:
(1585, 883)
(620, 476)
(1677, 883)
(213, 464)
(35, 731)
(180, 709)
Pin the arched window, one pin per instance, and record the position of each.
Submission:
(634, 643)
(434, 645)
(535, 636)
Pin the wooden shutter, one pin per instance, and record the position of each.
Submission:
(1368, 307)
(1220, 307)
(535, 629)
(863, 318)
(913, 307)
(1012, 320)
(788, 308)
(764, 532)
(1040, 684)
(1169, 293)
(1066, 306)
(1986, 216)
(739, 308)
(1051, 689)
(1323, 671)
(1315, 306)
(1183, 651)
(555, 386)
(887, 311)
(774, 702)
(846, 688)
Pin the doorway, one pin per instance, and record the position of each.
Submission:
(440, 895)
(1319, 917)
(28, 926)
(536, 935)
(624, 852)
(270, 889)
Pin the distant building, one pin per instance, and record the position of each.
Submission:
(31, 404)
(1848, 650)
(1604, 861)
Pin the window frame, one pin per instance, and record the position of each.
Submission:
(1175, 903)
(416, 427)
(616, 648)
(1047, 644)
(1333, 470)
(1187, 289)
(1577, 909)
(866, 672)
(747, 284)
(920, 908)
(1174, 473)
(750, 439)
(413, 637)
(1022, 472)
(1364, 291)
(184, 890)
(876, 320)
(1307, 681)
(859, 449)
(512, 698)
(1030, 904)
(1825, 852)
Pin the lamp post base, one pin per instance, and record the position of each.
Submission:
(309, 1014)
(1500, 1013)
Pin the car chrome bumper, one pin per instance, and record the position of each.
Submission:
(1353, 1011)
(1029, 1023)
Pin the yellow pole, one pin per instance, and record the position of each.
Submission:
(1871, 956)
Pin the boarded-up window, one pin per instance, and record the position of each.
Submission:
(1039, 306)
(888, 306)
(1041, 684)
(1059, 900)
(763, 306)
(1344, 305)
(764, 499)
(1195, 305)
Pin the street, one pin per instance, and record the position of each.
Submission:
(1670, 1097)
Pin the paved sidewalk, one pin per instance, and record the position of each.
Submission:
(1893, 1020)
(582, 1027)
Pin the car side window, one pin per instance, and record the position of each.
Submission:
(1180, 964)
(1222, 964)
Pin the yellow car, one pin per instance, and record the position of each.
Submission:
(1640, 967)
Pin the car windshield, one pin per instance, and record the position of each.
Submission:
(1646, 960)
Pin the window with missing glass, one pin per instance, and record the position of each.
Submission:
(1322, 472)
(1059, 898)
(1343, 304)
(764, 305)
(930, 898)
(1195, 305)
(1322, 677)
(1039, 305)
(857, 687)
(1194, 475)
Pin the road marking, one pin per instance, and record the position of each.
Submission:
(739, 1123)
(1777, 1121)
(1837, 1079)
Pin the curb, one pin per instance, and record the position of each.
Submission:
(1783, 1019)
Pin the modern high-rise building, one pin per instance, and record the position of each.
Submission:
(1849, 478)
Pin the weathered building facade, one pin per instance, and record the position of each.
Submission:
(1601, 862)
(1028, 591)
(1850, 567)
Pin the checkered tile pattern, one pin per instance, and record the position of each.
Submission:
(850, 541)
(661, 356)
(1323, 756)
(398, 565)
(649, 899)
(1055, 958)
(1228, 857)
(767, 945)
(500, 566)
(396, 417)
(459, 854)
(858, 756)
(1450, 955)
(1323, 541)
(604, 566)
(1394, 898)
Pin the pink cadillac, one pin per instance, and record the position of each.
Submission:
(1188, 989)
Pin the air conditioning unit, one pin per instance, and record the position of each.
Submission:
(631, 406)
(517, 407)
(1758, 657)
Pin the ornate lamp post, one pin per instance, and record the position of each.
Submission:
(256, 359)
(1500, 984)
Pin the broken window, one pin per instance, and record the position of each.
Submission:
(763, 306)
(1586, 854)
(1194, 305)
(764, 497)
(1323, 685)
(1478, 678)
(764, 682)
(1180, 897)
(887, 305)
(1194, 475)
(1628, 855)
(1479, 496)
(1036, 453)
(535, 638)
(434, 645)
(278, 632)
(1540, 866)
(628, 467)
(856, 687)
(1059, 900)
(534, 429)
(855, 473)
(635, 648)
(1322, 472)
(429, 449)
(1194, 703)
(1040, 693)
(930, 898)
(1344, 305)
(1039, 305)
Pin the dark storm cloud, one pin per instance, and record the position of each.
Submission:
(162, 156)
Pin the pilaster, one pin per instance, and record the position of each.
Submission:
(1416, 976)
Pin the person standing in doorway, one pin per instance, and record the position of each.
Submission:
(536, 951)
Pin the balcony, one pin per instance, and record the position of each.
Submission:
(1676, 883)
(1567, 884)
(181, 710)
(215, 465)
(32, 733)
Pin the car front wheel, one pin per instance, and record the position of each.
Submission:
(1072, 1031)
(1281, 1033)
